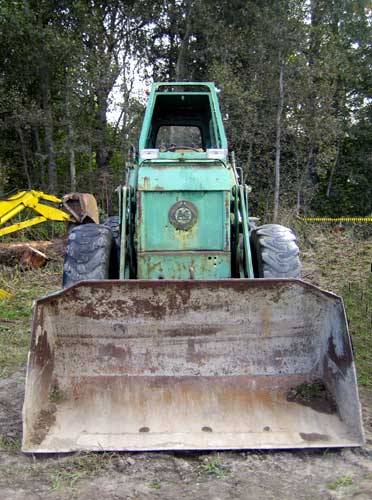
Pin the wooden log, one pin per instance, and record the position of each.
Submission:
(11, 253)
(32, 259)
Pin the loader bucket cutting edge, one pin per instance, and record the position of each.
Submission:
(190, 365)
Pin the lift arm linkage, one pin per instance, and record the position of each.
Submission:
(11, 206)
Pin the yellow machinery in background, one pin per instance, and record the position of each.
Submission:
(73, 207)
(78, 208)
(4, 294)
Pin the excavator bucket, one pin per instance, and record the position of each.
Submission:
(190, 365)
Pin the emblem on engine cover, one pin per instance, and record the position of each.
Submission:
(183, 215)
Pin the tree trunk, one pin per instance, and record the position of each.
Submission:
(91, 183)
(72, 158)
(102, 154)
(278, 139)
(24, 156)
(40, 158)
(334, 167)
(298, 201)
(314, 43)
(48, 126)
(181, 68)
(70, 143)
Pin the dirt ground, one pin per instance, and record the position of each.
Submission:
(328, 474)
(294, 474)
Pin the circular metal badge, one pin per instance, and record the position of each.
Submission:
(183, 215)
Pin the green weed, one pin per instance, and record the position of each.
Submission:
(56, 395)
(10, 444)
(156, 485)
(76, 467)
(340, 482)
(215, 468)
(63, 479)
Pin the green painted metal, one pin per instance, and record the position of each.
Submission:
(184, 265)
(123, 232)
(193, 176)
(211, 230)
(205, 89)
(248, 267)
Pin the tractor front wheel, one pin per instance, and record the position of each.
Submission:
(88, 254)
(275, 252)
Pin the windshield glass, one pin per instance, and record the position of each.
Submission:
(174, 137)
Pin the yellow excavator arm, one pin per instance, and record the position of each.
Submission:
(84, 204)
(15, 203)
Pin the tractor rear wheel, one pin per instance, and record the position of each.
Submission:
(275, 252)
(113, 223)
(88, 254)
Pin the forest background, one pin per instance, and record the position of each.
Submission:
(295, 78)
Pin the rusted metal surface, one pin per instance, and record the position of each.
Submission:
(82, 206)
(175, 265)
(156, 365)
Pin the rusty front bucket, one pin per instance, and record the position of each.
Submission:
(190, 365)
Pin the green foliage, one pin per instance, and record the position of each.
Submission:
(61, 63)
(47, 230)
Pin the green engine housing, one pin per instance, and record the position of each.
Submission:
(183, 221)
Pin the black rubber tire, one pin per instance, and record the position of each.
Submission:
(275, 253)
(88, 254)
(113, 223)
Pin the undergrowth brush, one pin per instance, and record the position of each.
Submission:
(15, 312)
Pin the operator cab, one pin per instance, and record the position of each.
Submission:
(183, 119)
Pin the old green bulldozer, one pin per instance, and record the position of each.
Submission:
(183, 325)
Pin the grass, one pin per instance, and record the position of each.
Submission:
(56, 472)
(340, 482)
(342, 263)
(311, 390)
(155, 485)
(358, 302)
(67, 472)
(15, 312)
(10, 444)
(215, 468)
(63, 479)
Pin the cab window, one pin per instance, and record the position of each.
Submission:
(171, 137)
